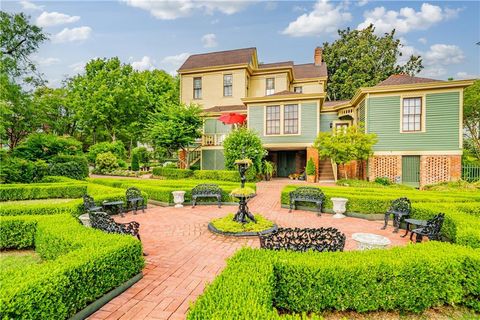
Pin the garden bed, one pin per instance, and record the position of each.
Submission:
(228, 227)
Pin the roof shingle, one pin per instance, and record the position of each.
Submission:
(309, 70)
(399, 79)
(240, 107)
(220, 58)
(275, 64)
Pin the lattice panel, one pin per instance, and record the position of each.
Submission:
(437, 169)
(386, 167)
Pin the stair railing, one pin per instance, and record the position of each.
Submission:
(335, 169)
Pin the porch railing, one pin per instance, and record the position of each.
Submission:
(470, 172)
(213, 139)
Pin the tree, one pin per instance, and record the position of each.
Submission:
(243, 143)
(176, 128)
(343, 146)
(362, 59)
(471, 115)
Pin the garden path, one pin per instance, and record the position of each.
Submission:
(184, 256)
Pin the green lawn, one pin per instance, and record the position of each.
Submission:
(37, 202)
(17, 259)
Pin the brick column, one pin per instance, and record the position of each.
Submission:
(455, 168)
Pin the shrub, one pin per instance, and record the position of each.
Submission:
(171, 173)
(135, 164)
(74, 167)
(370, 184)
(117, 148)
(143, 155)
(106, 162)
(243, 143)
(227, 224)
(41, 191)
(23, 171)
(383, 181)
(223, 175)
(46, 146)
(170, 164)
(310, 169)
(80, 265)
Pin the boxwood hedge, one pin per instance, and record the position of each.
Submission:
(80, 265)
(41, 191)
(257, 282)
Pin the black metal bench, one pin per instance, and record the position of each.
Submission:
(89, 204)
(432, 229)
(206, 191)
(104, 222)
(307, 194)
(135, 200)
(297, 239)
(400, 209)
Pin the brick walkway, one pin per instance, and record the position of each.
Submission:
(184, 255)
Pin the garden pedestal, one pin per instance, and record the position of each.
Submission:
(367, 241)
(339, 207)
(178, 198)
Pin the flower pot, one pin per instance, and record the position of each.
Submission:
(339, 207)
(178, 198)
(311, 178)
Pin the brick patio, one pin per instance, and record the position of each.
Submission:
(184, 255)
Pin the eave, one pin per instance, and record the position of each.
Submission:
(286, 97)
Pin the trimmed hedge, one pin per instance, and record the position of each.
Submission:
(74, 167)
(41, 191)
(411, 278)
(221, 175)
(172, 173)
(81, 264)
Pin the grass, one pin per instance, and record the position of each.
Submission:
(17, 259)
(37, 202)
(226, 224)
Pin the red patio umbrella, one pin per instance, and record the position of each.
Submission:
(232, 118)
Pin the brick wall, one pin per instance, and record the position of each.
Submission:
(313, 153)
(437, 168)
(385, 166)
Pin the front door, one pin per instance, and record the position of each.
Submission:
(285, 163)
(411, 170)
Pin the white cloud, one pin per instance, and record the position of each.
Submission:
(46, 61)
(27, 5)
(146, 63)
(48, 19)
(466, 75)
(422, 40)
(209, 40)
(406, 51)
(361, 3)
(77, 66)
(406, 19)
(72, 35)
(173, 9)
(433, 72)
(324, 18)
(172, 63)
(443, 54)
(299, 9)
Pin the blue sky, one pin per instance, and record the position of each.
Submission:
(161, 34)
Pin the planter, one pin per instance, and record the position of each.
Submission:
(178, 198)
(85, 219)
(339, 207)
(311, 178)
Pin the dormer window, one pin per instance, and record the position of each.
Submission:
(227, 85)
(197, 88)
(297, 89)
(270, 86)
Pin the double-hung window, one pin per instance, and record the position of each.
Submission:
(270, 86)
(272, 120)
(290, 119)
(227, 85)
(412, 114)
(197, 88)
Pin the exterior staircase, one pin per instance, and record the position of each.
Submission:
(325, 171)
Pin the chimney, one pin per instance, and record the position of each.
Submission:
(317, 58)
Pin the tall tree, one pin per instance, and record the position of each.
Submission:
(360, 58)
(471, 115)
(176, 128)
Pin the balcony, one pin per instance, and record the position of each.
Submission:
(213, 139)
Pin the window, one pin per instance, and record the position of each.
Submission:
(290, 121)
(270, 86)
(341, 126)
(227, 85)
(197, 88)
(273, 120)
(412, 114)
(297, 89)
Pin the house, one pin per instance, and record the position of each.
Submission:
(418, 121)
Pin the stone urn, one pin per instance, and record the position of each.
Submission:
(85, 219)
(178, 198)
(339, 207)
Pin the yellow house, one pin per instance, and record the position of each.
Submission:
(418, 121)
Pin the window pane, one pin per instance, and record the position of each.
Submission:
(273, 120)
(291, 119)
(412, 114)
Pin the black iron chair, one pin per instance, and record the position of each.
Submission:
(134, 200)
(400, 209)
(206, 191)
(89, 204)
(432, 229)
(297, 239)
(307, 194)
(104, 222)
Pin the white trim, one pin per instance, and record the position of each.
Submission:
(460, 117)
(318, 117)
(282, 118)
(418, 153)
(212, 148)
(286, 145)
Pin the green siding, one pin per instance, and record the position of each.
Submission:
(326, 120)
(308, 126)
(361, 112)
(441, 129)
(215, 126)
(213, 159)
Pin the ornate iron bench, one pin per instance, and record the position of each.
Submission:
(89, 204)
(104, 222)
(307, 194)
(134, 200)
(400, 209)
(431, 229)
(206, 191)
(297, 239)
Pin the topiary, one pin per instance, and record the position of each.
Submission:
(135, 164)
(106, 162)
(310, 169)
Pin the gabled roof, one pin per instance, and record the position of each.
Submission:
(335, 103)
(309, 70)
(399, 79)
(219, 58)
(275, 64)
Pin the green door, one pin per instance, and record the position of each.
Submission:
(285, 163)
(411, 170)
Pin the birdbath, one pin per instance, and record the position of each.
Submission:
(243, 194)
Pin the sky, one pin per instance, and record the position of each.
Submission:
(162, 34)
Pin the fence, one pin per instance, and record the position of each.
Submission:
(470, 172)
